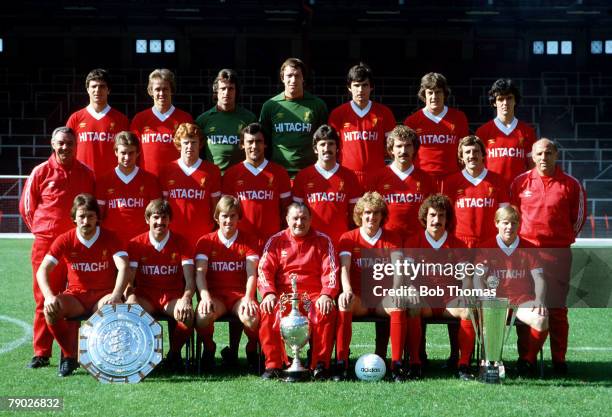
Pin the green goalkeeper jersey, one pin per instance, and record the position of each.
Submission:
(289, 126)
(221, 130)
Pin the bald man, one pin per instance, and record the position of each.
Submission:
(552, 205)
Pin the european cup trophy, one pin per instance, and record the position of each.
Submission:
(295, 329)
(491, 334)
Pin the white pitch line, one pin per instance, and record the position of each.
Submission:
(27, 330)
(513, 347)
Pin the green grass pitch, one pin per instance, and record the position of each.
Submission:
(587, 391)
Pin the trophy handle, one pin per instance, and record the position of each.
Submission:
(512, 320)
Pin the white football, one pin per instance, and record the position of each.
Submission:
(370, 367)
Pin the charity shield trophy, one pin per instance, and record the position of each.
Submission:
(489, 322)
(295, 329)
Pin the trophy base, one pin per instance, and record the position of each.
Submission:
(491, 373)
(296, 376)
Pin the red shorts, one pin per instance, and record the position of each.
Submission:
(437, 312)
(158, 298)
(87, 298)
(228, 298)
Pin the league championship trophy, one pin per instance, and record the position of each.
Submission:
(295, 329)
(491, 334)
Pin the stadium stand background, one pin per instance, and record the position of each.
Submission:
(49, 46)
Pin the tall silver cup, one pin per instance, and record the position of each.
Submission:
(491, 333)
(295, 330)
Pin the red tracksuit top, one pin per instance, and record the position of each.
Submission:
(311, 257)
(552, 214)
(48, 194)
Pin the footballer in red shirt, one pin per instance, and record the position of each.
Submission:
(155, 127)
(403, 185)
(439, 128)
(226, 270)
(328, 189)
(124, 192)
(262, 186)
(436, 215)
(476, 194)
(162, 269)
(511, 268)
(362, 126)
(507, 139)
(191, 185)
(97, 124)
(370, 214)
(97, 274)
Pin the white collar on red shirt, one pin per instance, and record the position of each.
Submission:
(159, 246)
(126, 178)
(325, 173)
(506, 130)
(189, 170)
(95, 114)
(508, 250)
(433, 117)
(436, 244)
(361, 112)
(256, 170)
(89, 243)
(371, 240)
(474, 180)
(163, 116)
(402, 175)
(227, 242)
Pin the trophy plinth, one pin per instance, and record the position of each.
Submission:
(295, 331)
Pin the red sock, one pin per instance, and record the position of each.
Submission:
(344, 333)
(67, 339)
(414, 339)
(522, 340)
(536, 341)
(398, 334)
(466, 337)
(206, 333)
(182, 333)
(253, 336)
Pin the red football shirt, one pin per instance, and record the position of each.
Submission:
(90, 262)
(439, 138)
(352, 244)
(123, 199)
(95, 134)
(226, 260)
(156, 133)
(190, 191)
(328, 194)
(260, 191)
(511, 267)
(404, 192)
(475, 201)
(362, 134)
(508, 148)
(159, 265)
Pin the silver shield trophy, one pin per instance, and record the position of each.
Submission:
(120, 343)
(295, 329)
(491, 334)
